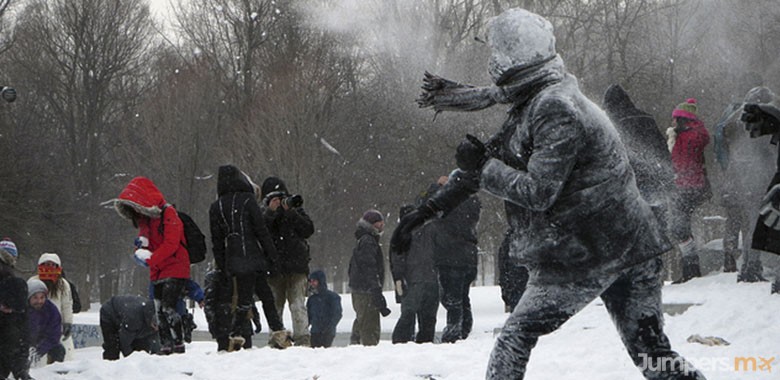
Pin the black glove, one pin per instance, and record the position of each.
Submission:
(760, 119)
(471, 154)
(770, 208)
(66, 330)
(380, 303)
(402, 236)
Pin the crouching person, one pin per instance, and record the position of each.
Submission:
(128, 323)
(324, 310)
(45, 326)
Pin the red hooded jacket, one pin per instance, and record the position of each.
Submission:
(170, 258)
(688, 156)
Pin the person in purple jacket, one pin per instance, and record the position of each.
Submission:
(45, 325)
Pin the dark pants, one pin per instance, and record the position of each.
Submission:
(244, 290)
(420, 302)
(633, 300)
(323, 339)
(266, 296)
(166, 293)
(683, 207)
(512, 278)
(454, 285)
(366, 326)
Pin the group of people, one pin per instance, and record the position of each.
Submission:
(36, 316)
(258, 235)
(592, 198)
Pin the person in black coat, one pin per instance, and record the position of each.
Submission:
(324, 310)
(14, 346)
(243, 248)
(289, 226)
(128, 323)
(366, 276)
(416, 284)
(455, 257)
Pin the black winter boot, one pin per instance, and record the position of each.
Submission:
(729, 263)
(752, 272)
(690, 269)
(454, 329)
(776, 287)
(188, 325)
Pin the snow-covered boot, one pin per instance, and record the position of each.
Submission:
(454, 329)
(776, 287)
(752, 272)
(280, 339)
(729, 263)
(235, 343)
(188, 325)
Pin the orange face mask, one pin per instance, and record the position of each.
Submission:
(49, 272)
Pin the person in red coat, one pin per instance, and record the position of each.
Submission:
(162, 247)
(688, 138)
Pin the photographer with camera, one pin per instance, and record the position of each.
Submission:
(290, 226)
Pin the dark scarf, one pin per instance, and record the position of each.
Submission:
(514, 87)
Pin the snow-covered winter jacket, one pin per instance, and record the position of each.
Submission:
(688, 157)
(170, 258)
(584, 214)
(366, 267)
(290, 229)
(241, 241)
(646, 145)
(132, 317)
(323, 306)
(45, 327)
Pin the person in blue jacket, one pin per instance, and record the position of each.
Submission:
(324, 310)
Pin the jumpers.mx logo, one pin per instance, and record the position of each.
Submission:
(753, 363)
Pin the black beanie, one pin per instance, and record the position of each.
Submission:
(272, 184)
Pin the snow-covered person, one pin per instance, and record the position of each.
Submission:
(290, 226)
(560, 166)
(745, 166)
(455, 257)
(688, 138)
(161, 230)
(128, 324)
(50, 272)
(366, 276)
(243, 248)
(417, 285)
(14, 328)
(763, 119)
(324, 310)
(45, 325)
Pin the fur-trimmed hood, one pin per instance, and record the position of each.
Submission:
(140, 196)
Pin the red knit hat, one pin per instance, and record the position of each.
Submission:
(686, 110)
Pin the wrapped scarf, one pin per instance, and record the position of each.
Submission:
(515, 86)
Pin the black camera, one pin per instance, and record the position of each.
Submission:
(289, 201)
(8, 93)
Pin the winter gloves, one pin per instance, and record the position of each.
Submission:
(761, 119)
(402, 236)
(770, 208)
(142, 255)
(471, 154)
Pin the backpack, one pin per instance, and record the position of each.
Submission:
(196, 240)
(74, 293)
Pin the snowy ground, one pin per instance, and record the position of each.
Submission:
(587, 347)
